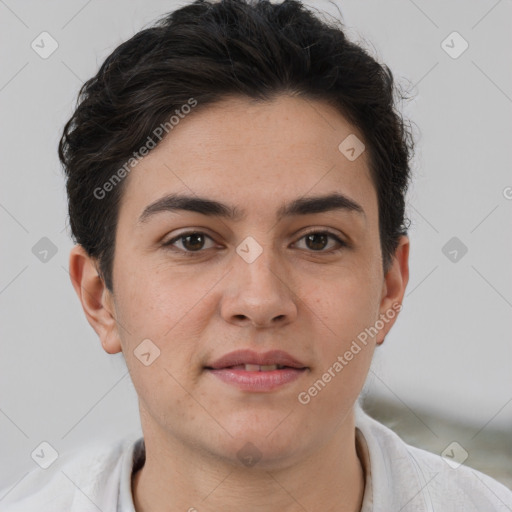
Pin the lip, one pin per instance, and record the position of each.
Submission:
(257, 381)
(251, 357)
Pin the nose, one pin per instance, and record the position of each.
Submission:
(259, 293)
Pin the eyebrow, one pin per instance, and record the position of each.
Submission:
(213, 208)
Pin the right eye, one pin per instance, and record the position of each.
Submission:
(191, 241)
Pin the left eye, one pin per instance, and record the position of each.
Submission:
(193, 241)
(317, 238)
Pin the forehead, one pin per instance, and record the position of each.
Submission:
(257, 154)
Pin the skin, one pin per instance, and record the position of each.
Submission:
(296, 296)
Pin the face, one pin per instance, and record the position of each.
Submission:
(306, 280)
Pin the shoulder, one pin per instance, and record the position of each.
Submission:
(90, 472)
(458, 485)
(415, 480)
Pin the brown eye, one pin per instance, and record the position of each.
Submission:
(317, 241)
(191, 242)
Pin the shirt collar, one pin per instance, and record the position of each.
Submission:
(133, 459)
(397, 482)
(393, 480)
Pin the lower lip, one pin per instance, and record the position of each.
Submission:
(258, 381)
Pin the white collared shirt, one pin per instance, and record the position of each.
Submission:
(399, 478)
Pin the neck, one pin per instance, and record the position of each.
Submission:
(176, 478)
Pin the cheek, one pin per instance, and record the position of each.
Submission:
(343, 312)
(163, 394)
(172, 310)
(344, 345)
(154, 301)
(345, 304)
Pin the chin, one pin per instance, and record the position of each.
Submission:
(264, 447)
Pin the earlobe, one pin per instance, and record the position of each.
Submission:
(95, 298)
(395, 283)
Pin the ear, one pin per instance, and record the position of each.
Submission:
(97, 301)
(393, 290)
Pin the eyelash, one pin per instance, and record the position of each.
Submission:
(169, 244)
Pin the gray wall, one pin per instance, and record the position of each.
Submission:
(450, 351)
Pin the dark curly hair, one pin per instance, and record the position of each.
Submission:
(208, 50)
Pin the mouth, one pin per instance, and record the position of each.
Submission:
(250, 360)
(257, 372)
(255, 367)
